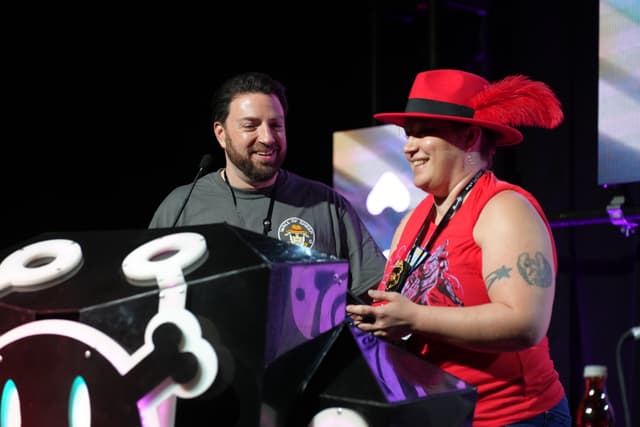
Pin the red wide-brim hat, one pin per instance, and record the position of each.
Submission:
(460, 96)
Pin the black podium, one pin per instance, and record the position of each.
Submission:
(201, 325)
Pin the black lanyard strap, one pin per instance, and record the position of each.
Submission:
(266, 222)
(403, 267)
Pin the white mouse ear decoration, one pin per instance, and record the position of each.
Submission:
(518, 101)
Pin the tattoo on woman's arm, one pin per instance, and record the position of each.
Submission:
(500, 273)
(535, 269)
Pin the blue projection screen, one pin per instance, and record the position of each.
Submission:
(619, 92)
(370, 170)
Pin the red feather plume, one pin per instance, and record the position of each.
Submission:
(518, 101)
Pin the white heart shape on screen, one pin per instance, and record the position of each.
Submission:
(390, 192)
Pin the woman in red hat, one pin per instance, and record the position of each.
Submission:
(470, 280)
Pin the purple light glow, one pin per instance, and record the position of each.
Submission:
(576, 222)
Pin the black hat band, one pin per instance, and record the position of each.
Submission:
(429, 106)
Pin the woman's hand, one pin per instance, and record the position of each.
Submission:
(388, 317)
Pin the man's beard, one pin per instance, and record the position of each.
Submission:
(254, 172)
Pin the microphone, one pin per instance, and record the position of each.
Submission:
(632, 333)
(205, 164)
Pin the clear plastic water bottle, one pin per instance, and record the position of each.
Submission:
(594, 409)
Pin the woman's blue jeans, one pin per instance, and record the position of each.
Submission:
(558, 416)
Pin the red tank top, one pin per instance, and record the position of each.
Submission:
(511, 386)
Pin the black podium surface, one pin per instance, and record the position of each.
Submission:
(199, 325)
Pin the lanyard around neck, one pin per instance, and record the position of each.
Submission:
(417, 255)
(266, 222)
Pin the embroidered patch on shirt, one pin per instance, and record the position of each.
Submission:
(297, 231)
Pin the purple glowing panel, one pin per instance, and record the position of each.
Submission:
(403, 376)
(305, 300)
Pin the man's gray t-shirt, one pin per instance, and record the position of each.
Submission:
(305, 212)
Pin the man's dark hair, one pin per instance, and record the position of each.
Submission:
(251, 82)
